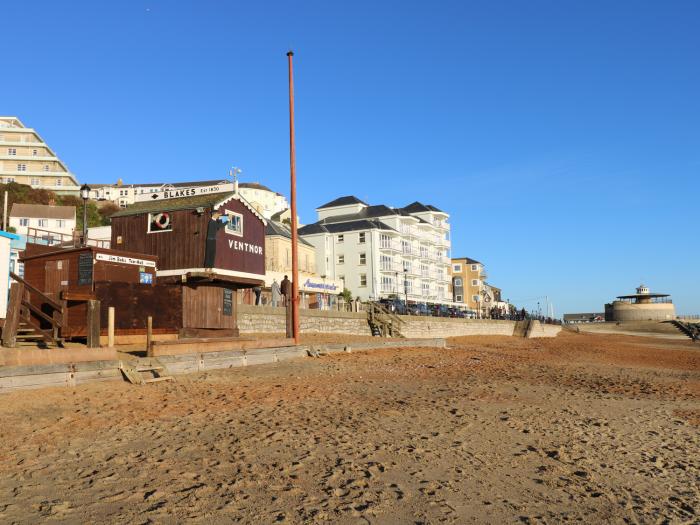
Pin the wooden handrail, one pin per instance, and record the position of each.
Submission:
(31, 288)
(42, 314)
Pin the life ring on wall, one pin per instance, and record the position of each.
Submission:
(162, 220)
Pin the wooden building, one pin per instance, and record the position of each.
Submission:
(208, 245)
(59, 282)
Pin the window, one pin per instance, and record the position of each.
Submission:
(363, 258)
(363, 279)
(35, 182)
(59, 182)
(341, 259)
(21, 167)
(35, 152)
(8, 179)
(342, 278)
(459, 298)
(362, 238)
(159, 222)
(457, 268)
(234, 226)
(12, 151)
(475, 282)
(24, 222)
(42, 223)
(474, 268)
(60, 223)
(458, 281)
(475, 298)
(341, 237)
(46, 167)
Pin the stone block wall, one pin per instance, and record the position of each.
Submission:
(449, 327)
(266, 319)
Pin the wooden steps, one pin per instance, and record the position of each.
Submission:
(141, 374)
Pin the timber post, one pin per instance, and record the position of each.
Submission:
(149, 335)
(14, 306)
(110, 326)
(93, 323)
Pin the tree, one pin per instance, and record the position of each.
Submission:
(346, 295)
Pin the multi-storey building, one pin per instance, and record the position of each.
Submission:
(46, 218)
(26, 159)
(468, 282)
(380, 251)
(263, 199)
(316, 290)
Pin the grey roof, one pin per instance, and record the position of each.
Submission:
(277, 228)
(417, 207)
(467, 259)
(42, 211)
(342, 227)
(208, 200)
(342, 201)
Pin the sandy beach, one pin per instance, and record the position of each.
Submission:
(581, 428)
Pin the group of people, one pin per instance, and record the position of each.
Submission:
(281, 293)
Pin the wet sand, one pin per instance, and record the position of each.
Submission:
(582, 428)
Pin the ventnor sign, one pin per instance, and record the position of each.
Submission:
(177, 193)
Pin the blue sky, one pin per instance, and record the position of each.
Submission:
(562, 137)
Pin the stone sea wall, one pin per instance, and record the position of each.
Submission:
(266, 319)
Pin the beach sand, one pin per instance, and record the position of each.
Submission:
(581, 428)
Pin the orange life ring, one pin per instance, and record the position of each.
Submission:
(162, 220)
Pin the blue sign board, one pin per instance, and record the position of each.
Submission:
(145, 278)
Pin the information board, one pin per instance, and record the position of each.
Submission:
(228, 302)
(84, 269)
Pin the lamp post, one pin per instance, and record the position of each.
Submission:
(405, 286)
(85, 195)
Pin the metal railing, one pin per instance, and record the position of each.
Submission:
(61, 240)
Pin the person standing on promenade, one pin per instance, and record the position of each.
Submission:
(276, 293)
(286, 289)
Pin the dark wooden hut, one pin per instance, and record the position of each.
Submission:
(208, 245)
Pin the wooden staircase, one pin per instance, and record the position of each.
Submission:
(144, 372)
(26, 323)
(383, 322)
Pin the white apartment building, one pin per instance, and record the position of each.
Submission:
(380, 251)
(55, 219)
(263, 199)
(26, 159)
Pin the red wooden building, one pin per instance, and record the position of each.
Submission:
(60, 280)
(209, 246)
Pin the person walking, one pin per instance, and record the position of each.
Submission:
(276, 293)
(258, 292)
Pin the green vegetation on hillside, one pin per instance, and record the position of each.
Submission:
(23, 194)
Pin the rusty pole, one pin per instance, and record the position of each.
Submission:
(293, 205)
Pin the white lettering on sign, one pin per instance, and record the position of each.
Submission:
(245, 247)
(124, 260)
(178, 193)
